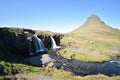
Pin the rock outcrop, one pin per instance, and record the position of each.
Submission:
(15, 40)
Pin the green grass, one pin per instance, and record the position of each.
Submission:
(104, 48)
(30, 70)
(55, 73)
(98, 77)
(83, 56)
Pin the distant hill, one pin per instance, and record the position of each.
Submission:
(94, 36)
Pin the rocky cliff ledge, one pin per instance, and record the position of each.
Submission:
(14, 40)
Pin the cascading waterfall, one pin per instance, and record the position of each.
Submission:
(39, 45)
(54, 46)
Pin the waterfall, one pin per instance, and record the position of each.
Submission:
(39, 44)
(54, 46)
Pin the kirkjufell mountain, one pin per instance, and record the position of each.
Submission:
(94, 25)
(94, 36)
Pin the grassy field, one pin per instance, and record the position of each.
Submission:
(59, 74)
(55, 73)
(83, 56)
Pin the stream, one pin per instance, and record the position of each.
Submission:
(86, 68)
(108, 68)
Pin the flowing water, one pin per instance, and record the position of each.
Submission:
(77, 67)
(54, 45)
(39, 45)
(86, 68)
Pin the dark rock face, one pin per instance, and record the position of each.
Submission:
(46, 40)
(14, 42)
(29, 30)
(57, 39)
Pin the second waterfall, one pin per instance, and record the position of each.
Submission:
(54, 45)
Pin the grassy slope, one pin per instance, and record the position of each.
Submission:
(93, 39)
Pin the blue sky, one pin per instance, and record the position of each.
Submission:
(57, 15)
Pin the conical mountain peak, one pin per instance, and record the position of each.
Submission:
(93, 24)
(93, 19)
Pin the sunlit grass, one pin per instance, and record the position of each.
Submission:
(83, 56)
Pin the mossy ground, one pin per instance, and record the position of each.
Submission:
(13, 68)
(55, 73)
